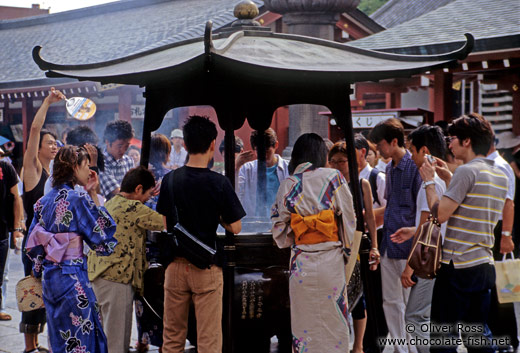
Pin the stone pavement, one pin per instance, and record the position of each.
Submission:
(11, 340)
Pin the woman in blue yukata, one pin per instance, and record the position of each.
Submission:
(63, 219)
(314, 215)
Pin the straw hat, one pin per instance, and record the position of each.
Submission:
(507, 140)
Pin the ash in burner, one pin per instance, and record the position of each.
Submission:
(256, 225)
(252, 225)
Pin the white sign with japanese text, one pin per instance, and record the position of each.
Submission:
(137, 111)
(364, 121)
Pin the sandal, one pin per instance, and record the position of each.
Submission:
(42, 349)
(141, 347)
(5, 317)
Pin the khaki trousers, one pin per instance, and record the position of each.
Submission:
(115, 302)
(184, 282)
(395, 299)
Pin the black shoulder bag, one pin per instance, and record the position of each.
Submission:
(182, 243)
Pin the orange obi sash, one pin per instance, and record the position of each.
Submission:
(314, 229)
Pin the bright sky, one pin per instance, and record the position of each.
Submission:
(54, 5)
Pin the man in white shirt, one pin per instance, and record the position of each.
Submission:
(178, 153)
(276, 171)
(499, 325)
(503, 239)
(508, 140)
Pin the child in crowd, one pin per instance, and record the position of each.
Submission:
(117, 277)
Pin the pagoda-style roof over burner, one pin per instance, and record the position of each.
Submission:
(254, 54)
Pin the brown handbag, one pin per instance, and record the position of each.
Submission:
(426, 254)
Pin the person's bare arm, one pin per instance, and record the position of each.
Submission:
(369, 212)
(370, 221)
(234, 227)
(515, 168)
(379, 214)
(92, 186)
(446, 205)
(508, 214)
(443, 171)
(18, 213)
(406, 276)
(17, 208)
(31, 164)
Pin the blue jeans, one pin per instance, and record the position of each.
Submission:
(4, 250)
(461, 301)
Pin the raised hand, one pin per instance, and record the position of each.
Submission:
(55, 96)
(244, 157)
(427, 171)
(93, 154)
(442, 170)
(92, 184)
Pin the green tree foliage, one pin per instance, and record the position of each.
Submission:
(369, 6)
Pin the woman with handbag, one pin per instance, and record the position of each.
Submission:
(338, 159)
(63, 219)
(313, 214)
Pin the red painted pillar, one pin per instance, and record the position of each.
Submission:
(516, 107)
(125, 104)
(443, 96)
(476, 96)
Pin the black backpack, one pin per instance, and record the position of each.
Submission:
(372, 179)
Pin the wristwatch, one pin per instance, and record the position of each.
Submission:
(426, 183)
(506, 233)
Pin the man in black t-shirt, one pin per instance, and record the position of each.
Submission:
(10, 217)
(203, 199)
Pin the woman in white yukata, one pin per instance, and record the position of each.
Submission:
(314, 215)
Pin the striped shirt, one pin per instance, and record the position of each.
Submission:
(480, 189)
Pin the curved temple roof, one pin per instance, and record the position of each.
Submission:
(257, 54)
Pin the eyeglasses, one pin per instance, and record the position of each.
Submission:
(338, 161)
(449, 139)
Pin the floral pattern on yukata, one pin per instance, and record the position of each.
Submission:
(317, 271)
(340, 299)
(67, 293)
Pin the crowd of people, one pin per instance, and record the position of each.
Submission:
(79, 194)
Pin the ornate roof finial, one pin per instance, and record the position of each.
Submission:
(246, 10)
